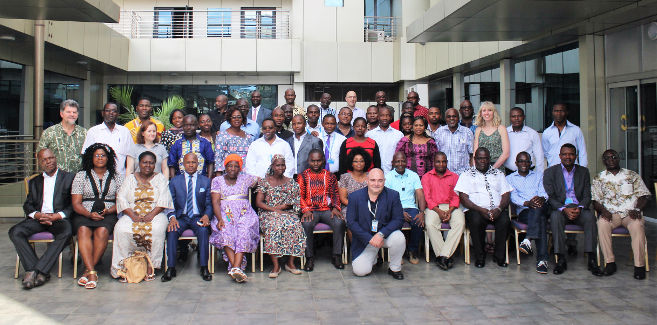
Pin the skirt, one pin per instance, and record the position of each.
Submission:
(108, 222)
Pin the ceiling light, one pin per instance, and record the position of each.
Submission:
(7, 37)
(652, 31)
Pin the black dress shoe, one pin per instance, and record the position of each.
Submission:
(450, 263)
(337, 262)
(205, 274)
(572, 250)
(396, 275)
(561, 266)
(41, 279)
(169, 274)
(310, 264)
(610, 269)
(480, 263)
(28, 280)
(441, 262)
(639, 272)
(500, 262)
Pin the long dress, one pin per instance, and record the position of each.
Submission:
(144, 236)
(241, 231)
(282, 232)
(227, 144)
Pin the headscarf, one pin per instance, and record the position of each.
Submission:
(233, 157)
(270, 171)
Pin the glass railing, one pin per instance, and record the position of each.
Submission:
(380, 29)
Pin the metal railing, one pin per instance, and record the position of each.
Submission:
(380, 29)
(219, 23)
(17, 161)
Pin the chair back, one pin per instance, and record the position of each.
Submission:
(27, 180)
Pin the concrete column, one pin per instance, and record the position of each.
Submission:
(458, 89)
(85, 105)
(507, 86)
(593, 98)
(26, 122)
(39, 46)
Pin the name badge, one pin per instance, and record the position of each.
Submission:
(375, 225)
(569, 201)
(330, 161)
(201, 190)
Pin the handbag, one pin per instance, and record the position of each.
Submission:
(136, 267)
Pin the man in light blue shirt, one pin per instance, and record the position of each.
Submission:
(561, 132)
(250, 127)
(408, 184)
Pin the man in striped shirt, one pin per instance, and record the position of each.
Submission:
(455, 142)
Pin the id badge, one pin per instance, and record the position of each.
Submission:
(569, 201)
(330, 161)
(375, 225)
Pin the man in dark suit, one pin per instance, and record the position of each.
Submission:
(257, 112)
(193, 209)
(375, 217)
(48, 207)
(568, 187)
(302, 142)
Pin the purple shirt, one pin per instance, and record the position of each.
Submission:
(570, 186)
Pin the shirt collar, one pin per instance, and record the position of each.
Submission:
(563, 169)
(405, 174)
(510, 129)
(300, 137)
(516, 173)
(45, 176)
(256, 108)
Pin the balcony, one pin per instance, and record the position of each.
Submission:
(213, 23)
(380, 29)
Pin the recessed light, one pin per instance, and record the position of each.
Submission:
(7, 37)
(82, 62)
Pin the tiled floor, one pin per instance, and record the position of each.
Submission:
(465, 294)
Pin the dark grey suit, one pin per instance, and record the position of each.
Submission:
(309, 143)
(263, 113)
(555, 187)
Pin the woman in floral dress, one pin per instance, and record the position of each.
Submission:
(232, 141)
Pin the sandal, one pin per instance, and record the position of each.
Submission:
(274, 275)
(239, 276)
(91, 284)
(294, 271)
(231, 273)
(82, 281)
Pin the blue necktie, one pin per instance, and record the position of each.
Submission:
(190, 196)
(327, 153)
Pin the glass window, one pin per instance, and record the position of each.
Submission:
(219, 22)
(482, 86)
(11, 80)
(441, 94)
(258, 23)
(381, 8)
(173, 22)
(58, 88)
(333, 3)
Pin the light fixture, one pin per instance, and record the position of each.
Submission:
(652, 31)
(7, 37)
(82, 62)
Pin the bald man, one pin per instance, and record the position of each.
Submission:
(290, 97)
(351, 100)
(218, 114)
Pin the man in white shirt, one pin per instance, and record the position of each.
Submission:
(114, 135)
(314, 127)
(351, 100)
(386, 137)
(302, 143)
(258, 113)
(258, 159)
(561, 132)
(333, 141)
(485, 194)
(48, 207)
(523, 138)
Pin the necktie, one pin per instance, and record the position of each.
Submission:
(327, 153)
(255, 113)
(190, 196)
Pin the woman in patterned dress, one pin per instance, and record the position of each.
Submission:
(418, 147)
(278, 200)
(235, 227)
(174, 133)
(232, 141)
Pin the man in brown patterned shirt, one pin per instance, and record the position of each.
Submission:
(65, 139)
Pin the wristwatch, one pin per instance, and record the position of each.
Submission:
(381, 234)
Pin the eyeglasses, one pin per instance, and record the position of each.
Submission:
(236, 117)
(613, 157)
(100, 156)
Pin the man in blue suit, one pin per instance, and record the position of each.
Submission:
(375, 217)
(193, 209)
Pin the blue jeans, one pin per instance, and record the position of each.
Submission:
(536, 220)
(416, 232)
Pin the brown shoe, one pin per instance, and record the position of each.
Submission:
(29, 280)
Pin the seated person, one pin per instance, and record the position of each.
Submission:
(568, 187)
(407, 183)
(484, 192)
(48, 207)
(320, 202)
(375, 217)
(192, 210)
(619, 195)
(442, 207)
(529, 198)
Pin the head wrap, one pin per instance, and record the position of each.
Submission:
(233, 157)
(270, 171)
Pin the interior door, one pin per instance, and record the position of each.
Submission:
(623, 133)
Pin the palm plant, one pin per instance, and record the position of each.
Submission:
(123, 97)
(170, 104)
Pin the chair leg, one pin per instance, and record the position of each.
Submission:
(166, 259)
(302, 261)
(75, 260)
(211, 259)
(507, 251)
(253, 262)
(262, 260)
(18, 263)
(466, 244)
(597, 253)
(344, 250)
(426, 246)
(210, 266)
(646, 256)
(61, 258)
(515, 231)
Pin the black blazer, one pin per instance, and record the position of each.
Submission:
(555, 186)
(309, 143)
(62, 199)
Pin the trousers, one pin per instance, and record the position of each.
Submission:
(432, 221)
(416, 231)
(636, 227)
(477, 225)
(202, 236)
(536, 221)
(337, 226)
(396, 244)
(20, 233)
(558, 223)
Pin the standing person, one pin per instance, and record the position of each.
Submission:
(192, 210)
(485, 193)
(290, 97)
(147, 141)
(560, 132)
(409, 186)
(375, 218)
(47, 207)
(356, 176)
(619, 196)
(442, 207)
(288, 111)
(235, 227)
(65, 139)
(302, 143)
(93, 196)
(344, 122)
(568, 187)
(218, 114)
(116, 136)
(278, 117)
(248, 125)
(435, 122)
(333, 141)
(406, 124)
(144, 110)
(491, 134)
(205, 128)
(523, 138)
(420, 110)
(418, 148)
(455, 142)
(261, 150)
(359, 141)
(277, 199)
(314, 127)
(372, 117)
(258, 113)
(143, 198)
(530, 200)
(191, 142)
(407, 110)
(351, 100)
(320, 202)
(234, 140)
(325, 106)
(381, 98)
(174, 133)
(467, 115)
(386, 137)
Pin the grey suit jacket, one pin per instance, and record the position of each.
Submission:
(555, 186)
(309, 143)
(263, 113)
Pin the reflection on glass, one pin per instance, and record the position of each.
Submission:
(10, 96)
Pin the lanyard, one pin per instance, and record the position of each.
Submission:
(332, 143)
(369, 206)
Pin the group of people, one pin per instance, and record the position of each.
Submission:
(243, 172)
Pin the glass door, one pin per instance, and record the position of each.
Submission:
(623, 124)
(648, 100)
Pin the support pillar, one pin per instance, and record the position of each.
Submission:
(458, 89)
(593, 98)
(507, 89)
(39, 46)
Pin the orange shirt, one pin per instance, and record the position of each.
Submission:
(135, 124)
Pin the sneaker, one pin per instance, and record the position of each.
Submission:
(525, 247)
(542, 267)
